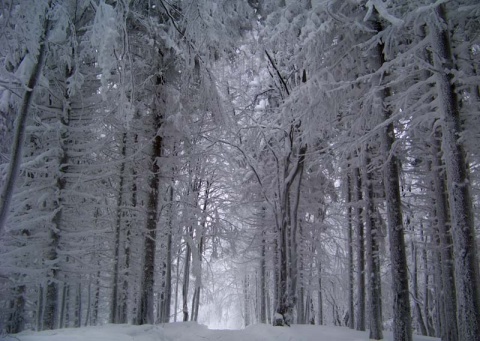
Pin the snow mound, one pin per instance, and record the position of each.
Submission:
(190, 331)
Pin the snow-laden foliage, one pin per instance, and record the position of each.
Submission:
(271, 161)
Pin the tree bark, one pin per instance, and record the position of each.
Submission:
(166, 294)
(200, 247)
(263, 279)
(20, 124)
(78, 307)
(146, 308)
(186, 276)
(426, 285)
(349, 189)
(372, 254)
(124, 310)
(402, 328)
(39, 309)
(114, 305)
(177, 283)
(293, 249)
(418, 311)
(246, 301)
(16, 311)
(301, 318)
(360, 244)
(461, 212)
(441, 223)
(287, 240)
(320, 290)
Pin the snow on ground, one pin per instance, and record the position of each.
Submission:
(189, 331)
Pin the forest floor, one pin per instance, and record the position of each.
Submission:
(193, 332)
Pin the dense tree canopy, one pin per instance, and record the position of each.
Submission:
(274, 161)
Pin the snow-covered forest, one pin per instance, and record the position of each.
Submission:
(235, 162)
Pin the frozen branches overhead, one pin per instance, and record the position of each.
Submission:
(306, 155)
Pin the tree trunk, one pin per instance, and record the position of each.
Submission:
(64, 307)
(301, 284)
(463, 231)
(263, 279)
(20, 124)
(186, 276)
(89, 303)
(349, 189)
(402, 329)
(16, 311)
(416, 299)
(78, 307)
(320, 291)
(96, 300)
(269, 307)
(246, 302)
(287, 226)
(296, 270)
(114, 305)
(40, 309)
(442, 226)
(200, 246)
(50, 314)
(177, 282)
(146, 308)
(276, 272)
(440, 320)
(168, 277)
(372, 254)
(360, 243)
(282, 309)
(124, 311)
(166, 295)
(426, 287)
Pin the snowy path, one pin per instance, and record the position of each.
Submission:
(193, 332)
